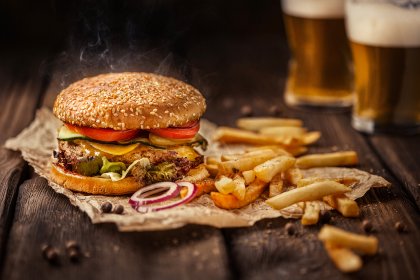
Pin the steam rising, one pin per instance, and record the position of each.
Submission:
(99, 43)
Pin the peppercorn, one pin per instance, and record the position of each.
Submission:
(274, 110)
(50, 254)
(106, 207)
(119, 209)
(290, 228)
(246, 111)
(367, 226)
(400, 226)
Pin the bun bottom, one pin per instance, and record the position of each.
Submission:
(93, 185)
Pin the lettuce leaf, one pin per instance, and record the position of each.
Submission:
(114, 176)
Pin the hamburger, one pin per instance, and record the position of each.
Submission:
(122, 131)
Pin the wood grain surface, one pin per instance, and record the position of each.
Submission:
(20, 89)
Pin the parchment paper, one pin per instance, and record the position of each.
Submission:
(37, 142)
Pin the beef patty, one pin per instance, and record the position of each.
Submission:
(165, 164)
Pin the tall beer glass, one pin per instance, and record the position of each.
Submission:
(320, 69)
(385, 41)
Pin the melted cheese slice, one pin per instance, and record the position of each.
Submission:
(116, 150)
(186, 151)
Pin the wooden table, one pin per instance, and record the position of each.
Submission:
(231, 74)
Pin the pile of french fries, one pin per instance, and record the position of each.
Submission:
(340, 246)
(271, 163)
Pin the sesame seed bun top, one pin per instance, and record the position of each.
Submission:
(129, 101)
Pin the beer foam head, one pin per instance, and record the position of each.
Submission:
(383, 24)
(314, 8)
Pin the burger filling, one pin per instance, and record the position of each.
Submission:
(146, 156)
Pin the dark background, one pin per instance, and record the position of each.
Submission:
(190, 40)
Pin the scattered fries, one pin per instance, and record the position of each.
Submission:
(293, 131)
(244, 163)
(256, 124)
(225, 185)
(364, 244)
(311, 137)
(228, 201)
(249, 176)
(339, 244)
(213, 169)
(271, 160)
(293, 175)
(197, 174)
(315, 191)
(344, 259)
(204, 186)
(235, 135)
(343, 204)
(267, 170)
(276, 185)
(330, 159)
(311, 214)
(239, 191)
(243, 177)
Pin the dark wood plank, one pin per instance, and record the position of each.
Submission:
(401, 155)
(11, 170)
(43, 216)
(19, 93)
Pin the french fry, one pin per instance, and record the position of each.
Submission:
(239, 191)
(267, 170)
(311, 137)
(213, 169)
(343, 204)
(226, 157)
(276, 185)
(249, 176)
(235, 135)
(293, 175)
(342, 238)
(225, 185)
(296, 150)
(245, 163)
(292, 131)
(330, 159)
(310, 192)
(307, 181)
(228, 201)
(252, 154)
(311, 214)
(256, 124)
(279, 150)
(344, 259)
(212, 160)
(197, 174)
(205, 186)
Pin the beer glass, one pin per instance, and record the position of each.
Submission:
(385, 42)
(320, 69)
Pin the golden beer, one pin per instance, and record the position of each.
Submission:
(387, 84)
(386, 54)
(320, 70)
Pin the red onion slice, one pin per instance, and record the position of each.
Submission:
(141, 197)
(191, 192)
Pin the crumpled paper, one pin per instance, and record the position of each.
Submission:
(37, 142)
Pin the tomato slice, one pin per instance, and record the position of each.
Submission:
(184, 132)
(104, 134)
